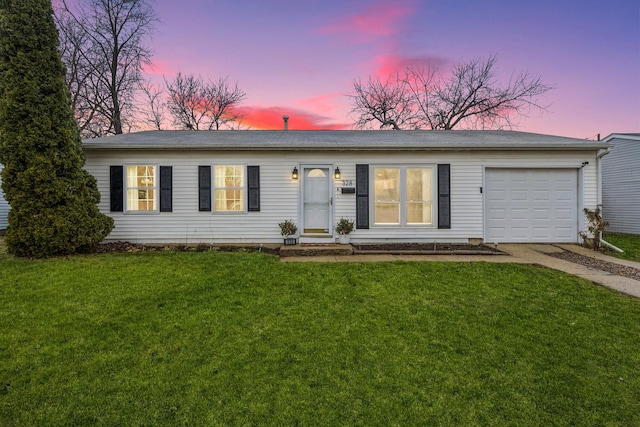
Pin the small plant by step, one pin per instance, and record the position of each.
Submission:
(288, 228)
(344, 226)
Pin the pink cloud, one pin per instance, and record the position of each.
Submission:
(270, 118)
(386, 65)
(325, 103)
(380, 19)
(158, 68)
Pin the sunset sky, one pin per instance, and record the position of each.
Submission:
(300, 58)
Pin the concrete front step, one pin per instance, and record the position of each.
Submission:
(306, 249)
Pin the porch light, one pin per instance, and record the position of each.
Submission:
(336, 173)
(294, 173)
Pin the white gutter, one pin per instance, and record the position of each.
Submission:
(600, 156)
(606, 151)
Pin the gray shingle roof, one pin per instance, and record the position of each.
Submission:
(631, 136)
(340, 140)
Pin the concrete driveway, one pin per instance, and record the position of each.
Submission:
(539, 254)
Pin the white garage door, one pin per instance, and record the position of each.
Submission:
(531, 205)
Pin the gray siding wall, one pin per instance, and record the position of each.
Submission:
(621, 186)
(280, 194)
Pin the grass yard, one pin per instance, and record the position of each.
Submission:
(629, 243)
(226, 339)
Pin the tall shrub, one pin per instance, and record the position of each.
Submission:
(53, 200)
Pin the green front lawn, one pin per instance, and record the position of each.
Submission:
(629, 243)
(241, 339)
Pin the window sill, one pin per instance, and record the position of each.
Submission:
(403, 226)
(223, 213)
(142, 212)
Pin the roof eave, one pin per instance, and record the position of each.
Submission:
(633, 137)
(314, 147)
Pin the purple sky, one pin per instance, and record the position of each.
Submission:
(300, 57)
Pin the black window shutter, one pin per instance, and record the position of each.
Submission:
(253, 188)
(444, 196)
(362, 196)
(116, 188)
(166, 188)
(204, 188)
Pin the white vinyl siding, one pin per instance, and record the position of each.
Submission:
(280, 194)
(621, 185)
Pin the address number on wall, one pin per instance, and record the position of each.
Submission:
(347, 183)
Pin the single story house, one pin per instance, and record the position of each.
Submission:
(621, 183)
(398, 186)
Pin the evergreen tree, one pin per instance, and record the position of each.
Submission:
(53, 200)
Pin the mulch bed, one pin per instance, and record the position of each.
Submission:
(609, 267)
(426, 248)
(136, 247)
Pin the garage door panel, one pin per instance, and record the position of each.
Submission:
(499, 234)
(540, 213)
(561, 179)
(565, 234)
(518, 232)
(519, 195)
(542, 196)
(519, 214)
(563, 195)
(564, 214)
(542, 233)
(531, 205)
(496, 195)
(517, 176)
(497, 214)
(540, 178)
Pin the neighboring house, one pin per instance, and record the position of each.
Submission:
(399, 186)
(4, 208)
(621, 183)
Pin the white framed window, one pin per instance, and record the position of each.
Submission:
(142, 191)
(229, 182)
(403, 195)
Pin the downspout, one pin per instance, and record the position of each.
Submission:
(599, 174)
(599, 168)
(609, 245)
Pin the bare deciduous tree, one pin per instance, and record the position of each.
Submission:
(153, 108)
(85, 95)
(471, 98)
(184, 101)
(385, 102)
(103, 45)
(199, 105)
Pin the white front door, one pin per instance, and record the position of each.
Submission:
(316, 200)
